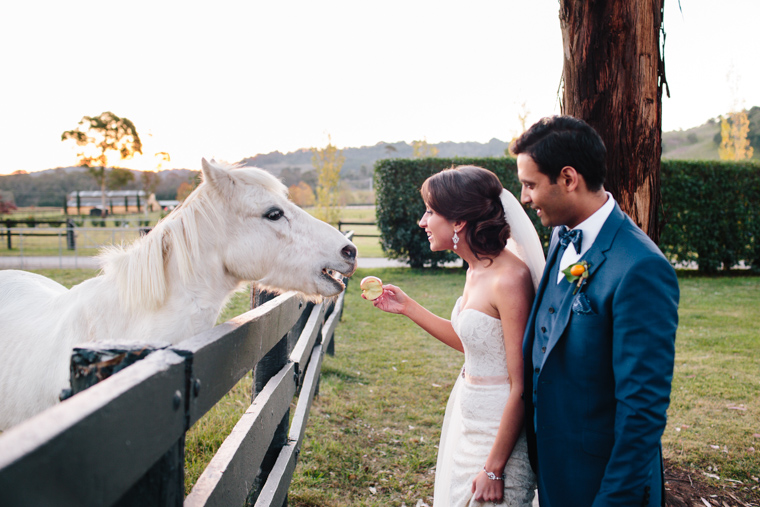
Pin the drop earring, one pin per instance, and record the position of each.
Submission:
(455, 239)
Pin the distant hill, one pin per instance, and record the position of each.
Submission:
(701, 143)
(366, 156)
(48, 188)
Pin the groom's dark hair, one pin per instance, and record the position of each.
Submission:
(555, 142)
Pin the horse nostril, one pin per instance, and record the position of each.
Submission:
(349, 252)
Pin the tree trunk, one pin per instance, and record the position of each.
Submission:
(613, 78)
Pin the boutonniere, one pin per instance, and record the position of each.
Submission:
(578, 273)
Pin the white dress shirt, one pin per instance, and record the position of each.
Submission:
(590, 227)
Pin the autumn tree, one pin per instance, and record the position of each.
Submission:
(302, 194)
(6, 203)
(101, 139)
(422, 149)
(613, 77)
(184, 190)
(734, 137)
(328, 162)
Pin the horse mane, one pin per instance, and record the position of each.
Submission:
(139, 270)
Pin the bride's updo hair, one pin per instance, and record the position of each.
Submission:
(471, 194)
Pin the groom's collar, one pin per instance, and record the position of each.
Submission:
(593, 224)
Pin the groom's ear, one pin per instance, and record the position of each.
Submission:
(569, 178)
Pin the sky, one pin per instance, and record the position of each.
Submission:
(232, 79)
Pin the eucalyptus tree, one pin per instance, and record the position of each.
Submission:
(613, 77)
(100, 138)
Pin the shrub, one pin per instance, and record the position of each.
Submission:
(710, 211)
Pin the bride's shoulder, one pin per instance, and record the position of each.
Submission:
(512, 274)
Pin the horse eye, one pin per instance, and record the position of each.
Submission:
(274, 214)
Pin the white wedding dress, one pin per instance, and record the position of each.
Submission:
(473, 415)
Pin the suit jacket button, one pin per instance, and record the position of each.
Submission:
(543, 349)
(543, 329)
(551, 309)
(537, 370)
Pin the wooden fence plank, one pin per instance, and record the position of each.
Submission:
(328, 330)
(302, 349)
(223, 355)
(91, 448)
(228, 478)
(275, 490)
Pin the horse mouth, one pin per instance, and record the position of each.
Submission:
(334, 277)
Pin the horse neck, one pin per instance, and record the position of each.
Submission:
(199, 296)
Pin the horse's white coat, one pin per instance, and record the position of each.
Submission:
(237, 226)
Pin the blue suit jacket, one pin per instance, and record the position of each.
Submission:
(604, 386)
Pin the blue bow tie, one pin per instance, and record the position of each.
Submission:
(567, 236)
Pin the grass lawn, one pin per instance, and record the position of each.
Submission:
(373, 431)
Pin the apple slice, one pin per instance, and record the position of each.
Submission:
(372, 287)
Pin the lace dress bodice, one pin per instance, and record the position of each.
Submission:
(483, 341)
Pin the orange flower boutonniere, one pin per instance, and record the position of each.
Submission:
(578, 273)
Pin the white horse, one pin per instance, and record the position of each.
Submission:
(237, 226)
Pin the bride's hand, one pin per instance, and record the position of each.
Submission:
(392, 300)
(486, 490)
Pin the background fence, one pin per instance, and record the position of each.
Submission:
(121, 441)
(60, 247)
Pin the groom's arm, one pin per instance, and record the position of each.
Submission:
(644, 317)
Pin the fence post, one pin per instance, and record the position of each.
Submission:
(8, 228)
(164, 483)
(71, 242)
(265, 369)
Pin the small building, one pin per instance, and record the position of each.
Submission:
(117, 201)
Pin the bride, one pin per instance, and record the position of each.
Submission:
(483, 454)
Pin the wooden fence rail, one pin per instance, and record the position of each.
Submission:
(121, 441)
(341, 223)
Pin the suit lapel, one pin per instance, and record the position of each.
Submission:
(529, 329)
(595, 256)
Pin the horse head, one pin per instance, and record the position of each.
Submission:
(266, 238)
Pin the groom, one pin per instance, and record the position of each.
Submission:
(598, 347)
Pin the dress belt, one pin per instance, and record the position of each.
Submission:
(495, 380)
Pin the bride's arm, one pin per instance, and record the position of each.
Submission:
(394, 300)
(513, 296)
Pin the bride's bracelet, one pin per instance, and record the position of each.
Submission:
(493, 476)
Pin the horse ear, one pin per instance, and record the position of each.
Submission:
(219, 178)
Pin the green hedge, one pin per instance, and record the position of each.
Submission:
(710, 212)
